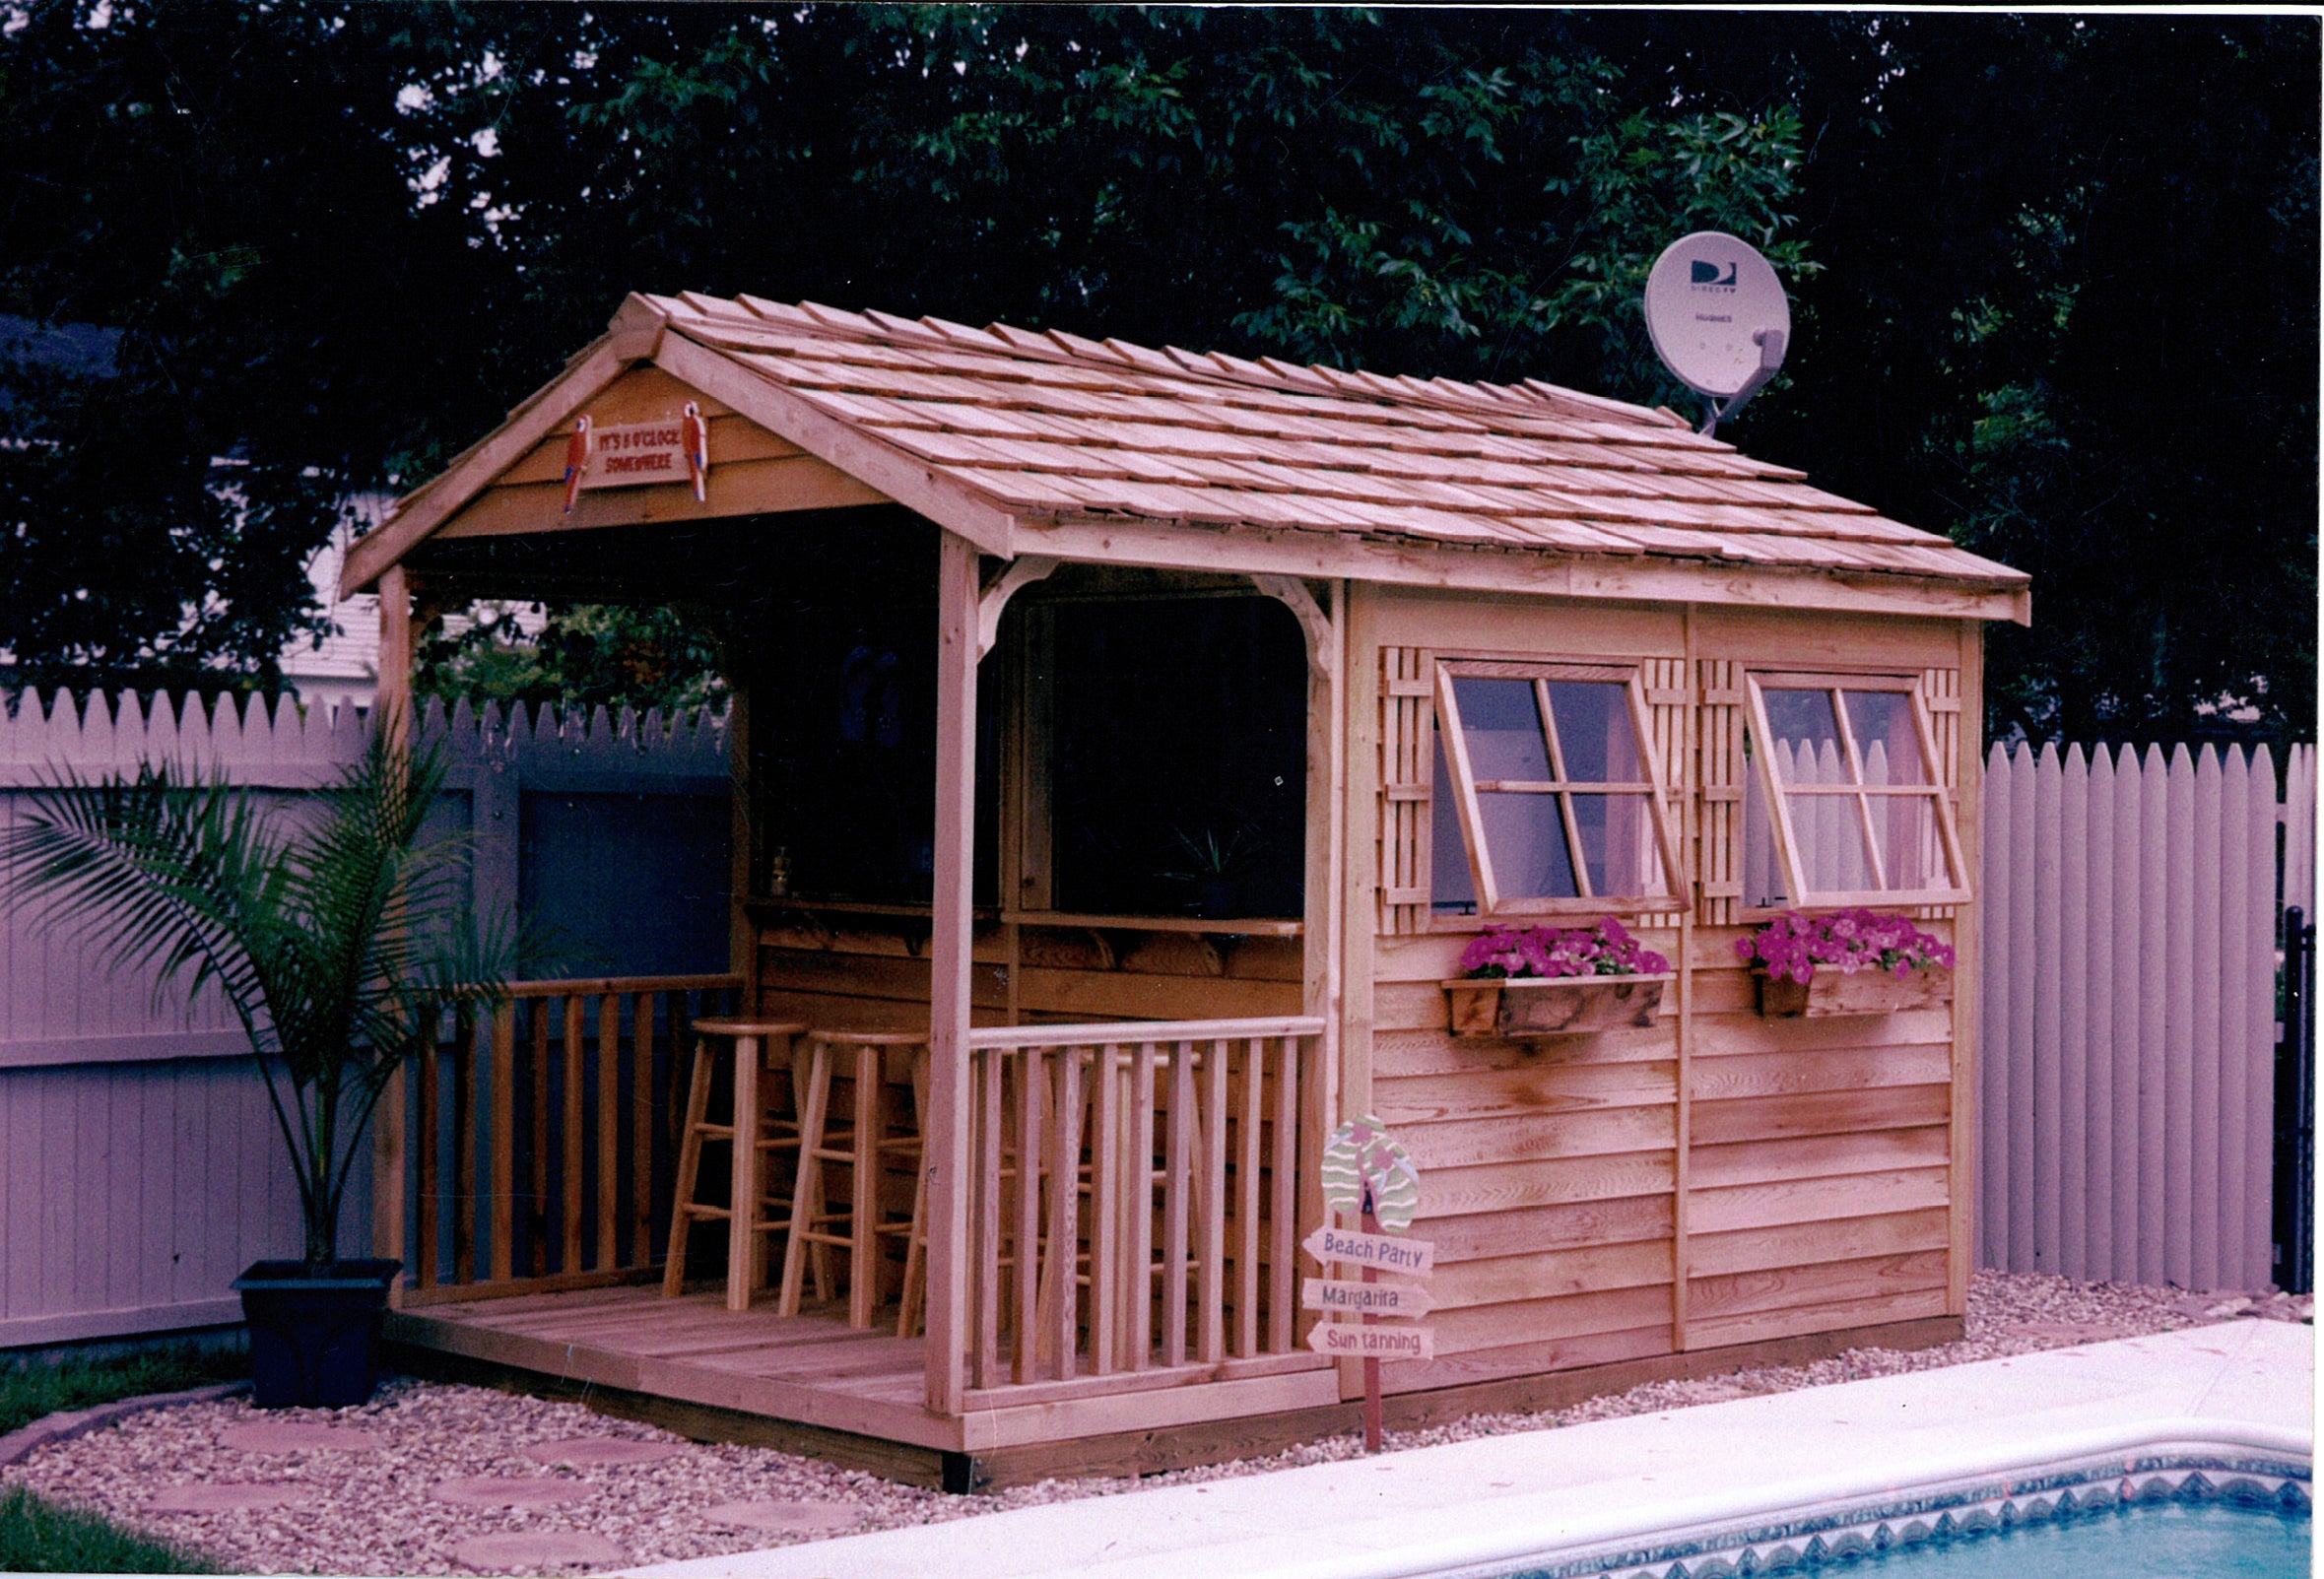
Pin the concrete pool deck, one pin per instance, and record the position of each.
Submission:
(2248, 1386)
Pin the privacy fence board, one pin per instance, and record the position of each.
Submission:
(140, 1163)
(2128, 1035)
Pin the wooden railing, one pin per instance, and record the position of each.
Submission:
(1134, 1203)
(542, 1142)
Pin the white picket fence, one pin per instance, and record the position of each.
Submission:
(2128, 988)
(140, 1167)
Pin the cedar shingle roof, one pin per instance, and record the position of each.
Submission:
(1056, 425)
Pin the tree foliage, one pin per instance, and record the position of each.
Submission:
(2055, 277)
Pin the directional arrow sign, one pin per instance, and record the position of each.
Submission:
(1415, 1257)
(1373, 1342)
(1365, 1298)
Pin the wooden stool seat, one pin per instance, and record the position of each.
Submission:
(873, 1061)
(762, 1047)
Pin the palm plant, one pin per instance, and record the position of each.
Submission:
(337, 932)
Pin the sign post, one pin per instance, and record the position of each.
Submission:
(1366, 1172)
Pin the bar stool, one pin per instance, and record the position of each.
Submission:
(760, 1047)
(873, 1061)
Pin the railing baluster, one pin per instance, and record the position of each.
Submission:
(1106, 1193)
(988, 1223)
(609, 1126)
(1176, 1183)
(641, 1108)
(427, 1139)
(1139, 1349)
(1210, 1335)
(538, 1217)
(1282, 1231)
(501, 1137)
(1065, 1211)
(574, 1201)
(1025, 1323)
(468, 1053)
(1246, 1168)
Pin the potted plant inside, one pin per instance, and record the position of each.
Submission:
(1528, 982)
(340, 936)
(1846, 962)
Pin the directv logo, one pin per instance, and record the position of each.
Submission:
(1702, 273)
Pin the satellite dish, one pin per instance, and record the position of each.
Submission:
(1718, 318)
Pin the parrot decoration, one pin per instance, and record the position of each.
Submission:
(577, 450)
(696, 434)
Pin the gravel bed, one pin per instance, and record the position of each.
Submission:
(368, 1509)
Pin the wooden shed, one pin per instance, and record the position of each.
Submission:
(1149, 732)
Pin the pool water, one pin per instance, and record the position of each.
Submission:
(2209, 1539)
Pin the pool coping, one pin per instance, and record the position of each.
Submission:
(1528, 1501)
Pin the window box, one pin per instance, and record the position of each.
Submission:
(1522, 1008)
(1859, 992)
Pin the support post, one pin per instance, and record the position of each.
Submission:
(946, 1132)
(391, 713)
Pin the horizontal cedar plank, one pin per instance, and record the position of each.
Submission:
(1509, 1279)
(1521, 1137)
(1267, 958)
(1817, 1157)
(1719, 1034)
(1860, 1195)
(837, 1010)
(1531, 1228)
(1119, 995)
(1547, 1089)
(1802, 1243)
(1714, 1331)
(1538, 1320)
(989, 947)
(1421, 1005)
(870, 976)
(1438, 1051)
(1502, 1186)
(1525, 1359)
(1820, 1113)
(1819, 1283)
(1833, 1070)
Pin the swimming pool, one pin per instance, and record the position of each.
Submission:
(2164, 1515)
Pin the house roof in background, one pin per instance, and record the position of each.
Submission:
(1022, 430)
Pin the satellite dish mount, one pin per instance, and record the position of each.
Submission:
(1718, 318)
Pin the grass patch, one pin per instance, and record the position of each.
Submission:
(37, 1536)
(31, 1391)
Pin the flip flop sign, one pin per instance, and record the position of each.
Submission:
(1366, 1171)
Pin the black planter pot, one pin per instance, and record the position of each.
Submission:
(314, 1340)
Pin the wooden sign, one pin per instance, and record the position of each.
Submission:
(1373, 1342)
(1417, 1257)
(636, 452)
(1365, 1298)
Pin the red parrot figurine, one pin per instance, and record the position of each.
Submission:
(696, 434)
(577, 461)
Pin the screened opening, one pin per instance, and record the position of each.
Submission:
(1843, 804)
(1545, 787)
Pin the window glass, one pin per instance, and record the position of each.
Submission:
(1854, 829)
(1594, 731)
(1500, 724)
(1561, 819)
(1882, 722)
(1525, 838)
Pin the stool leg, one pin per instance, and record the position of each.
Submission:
(863, 1259)
(689, 1163)
(745, 1200)
(818, 1095)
